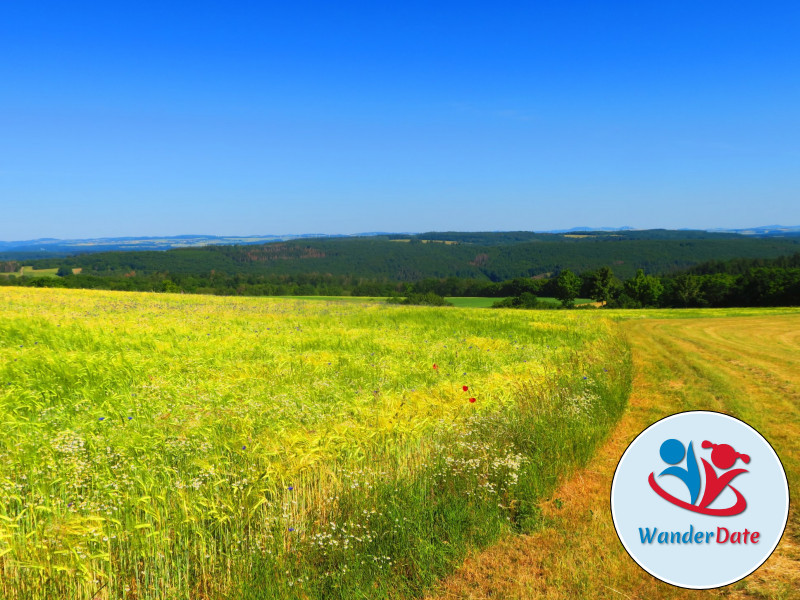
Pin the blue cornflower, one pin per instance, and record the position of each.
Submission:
(291, 487)
(101, 418)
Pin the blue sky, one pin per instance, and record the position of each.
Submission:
(263, 117)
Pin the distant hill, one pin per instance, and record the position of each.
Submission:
(50, 247)
(765, 231)
(493, 256)
(46, 247)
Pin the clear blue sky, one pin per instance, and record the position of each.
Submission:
(165, 118)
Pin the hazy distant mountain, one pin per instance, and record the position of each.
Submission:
(765, 231)
(52, 246)
(585, 229)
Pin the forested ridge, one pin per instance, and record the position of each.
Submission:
(481, 256)
(616, 269)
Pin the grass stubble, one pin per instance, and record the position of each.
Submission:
(163, 446)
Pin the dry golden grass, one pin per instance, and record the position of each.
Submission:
(748, 367)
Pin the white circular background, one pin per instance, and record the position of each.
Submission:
(635, 505)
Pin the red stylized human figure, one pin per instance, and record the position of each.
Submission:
(724, 457)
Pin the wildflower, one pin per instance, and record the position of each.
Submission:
(464, 387)
(435, 366)
(472, 400)
(585, 377)
(244, 447)
(291, 528)
(291, 487)
(101, 418)
(129, 418)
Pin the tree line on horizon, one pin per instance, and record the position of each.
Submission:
(738, 282)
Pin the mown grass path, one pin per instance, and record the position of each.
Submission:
(746, 366)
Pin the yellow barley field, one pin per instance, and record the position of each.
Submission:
(168, 446)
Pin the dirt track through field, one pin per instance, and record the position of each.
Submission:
(748, 367)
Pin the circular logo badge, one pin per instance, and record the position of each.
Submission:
(699, 500)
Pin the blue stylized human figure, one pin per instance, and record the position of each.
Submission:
(672, 452)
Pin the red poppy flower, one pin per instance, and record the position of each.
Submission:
(472, 400)
(435, 366)
(465, 388)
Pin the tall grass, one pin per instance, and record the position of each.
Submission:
(160, 446)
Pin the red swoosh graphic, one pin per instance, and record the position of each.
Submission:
(737, 508)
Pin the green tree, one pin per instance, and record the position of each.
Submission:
(686, 290)
(567, 287)
(169, 286)
(717, 288)
(602, 285)
(520, 285)
(644, 289)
